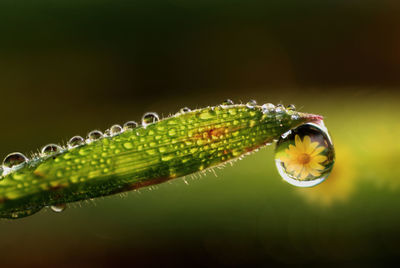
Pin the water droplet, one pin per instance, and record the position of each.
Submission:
(268, 108)
(149, 118)
(291, 107)
(51, 149)
(279, 108)
(251, 104)
(75, 141)
(305, 156)
(58, 208)
(115, 130)
(295, 117)
(184, 110)
(227, 102)
(130, 125)
(94, 135)
(13, 160)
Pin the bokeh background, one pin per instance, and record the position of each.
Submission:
(68, 67)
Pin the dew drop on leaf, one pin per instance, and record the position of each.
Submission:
(95, 135)
(305, 156)
(115, 130)
(268, 108)
(251, 104)
(149, 118)
(227, 102)
(50, 149)
(13, 160)
(75, 141)
(291, 107)
(280, 109)
(184, 110)
(58, 208)
(130, 125)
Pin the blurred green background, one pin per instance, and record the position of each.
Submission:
(68, 67)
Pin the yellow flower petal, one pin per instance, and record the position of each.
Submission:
(313, 146)
(294, 168)
(306, 142)
(299, 143)
(303, 174)
(313, 172)
(317, 151)
(315, 165)
(292, 150)
(319, 158)
(297, 172)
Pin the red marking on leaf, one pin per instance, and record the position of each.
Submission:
(216, 132)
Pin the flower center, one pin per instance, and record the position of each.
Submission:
(304, 158)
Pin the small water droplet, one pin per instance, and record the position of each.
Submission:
(115, 130)
(130, 125)
(75, 142)
(149, 118)
(295, 117)
(305, 156)
(291, 107)
(280, 109)
(184, 110)
(227, 102)
(50, 149)
(58, 208)
(94, 135)
(251, 104)
(13, 160)
(268, 108)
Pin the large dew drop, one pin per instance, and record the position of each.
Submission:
(305, 156)
(75, 141)
(50, 149)
(130, 125)
(94, 135)
(115, 130)
(149, 118)
(13, 160)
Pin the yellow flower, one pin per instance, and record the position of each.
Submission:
(303, 158)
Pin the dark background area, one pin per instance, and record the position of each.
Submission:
(142, 48)
(67, 67)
